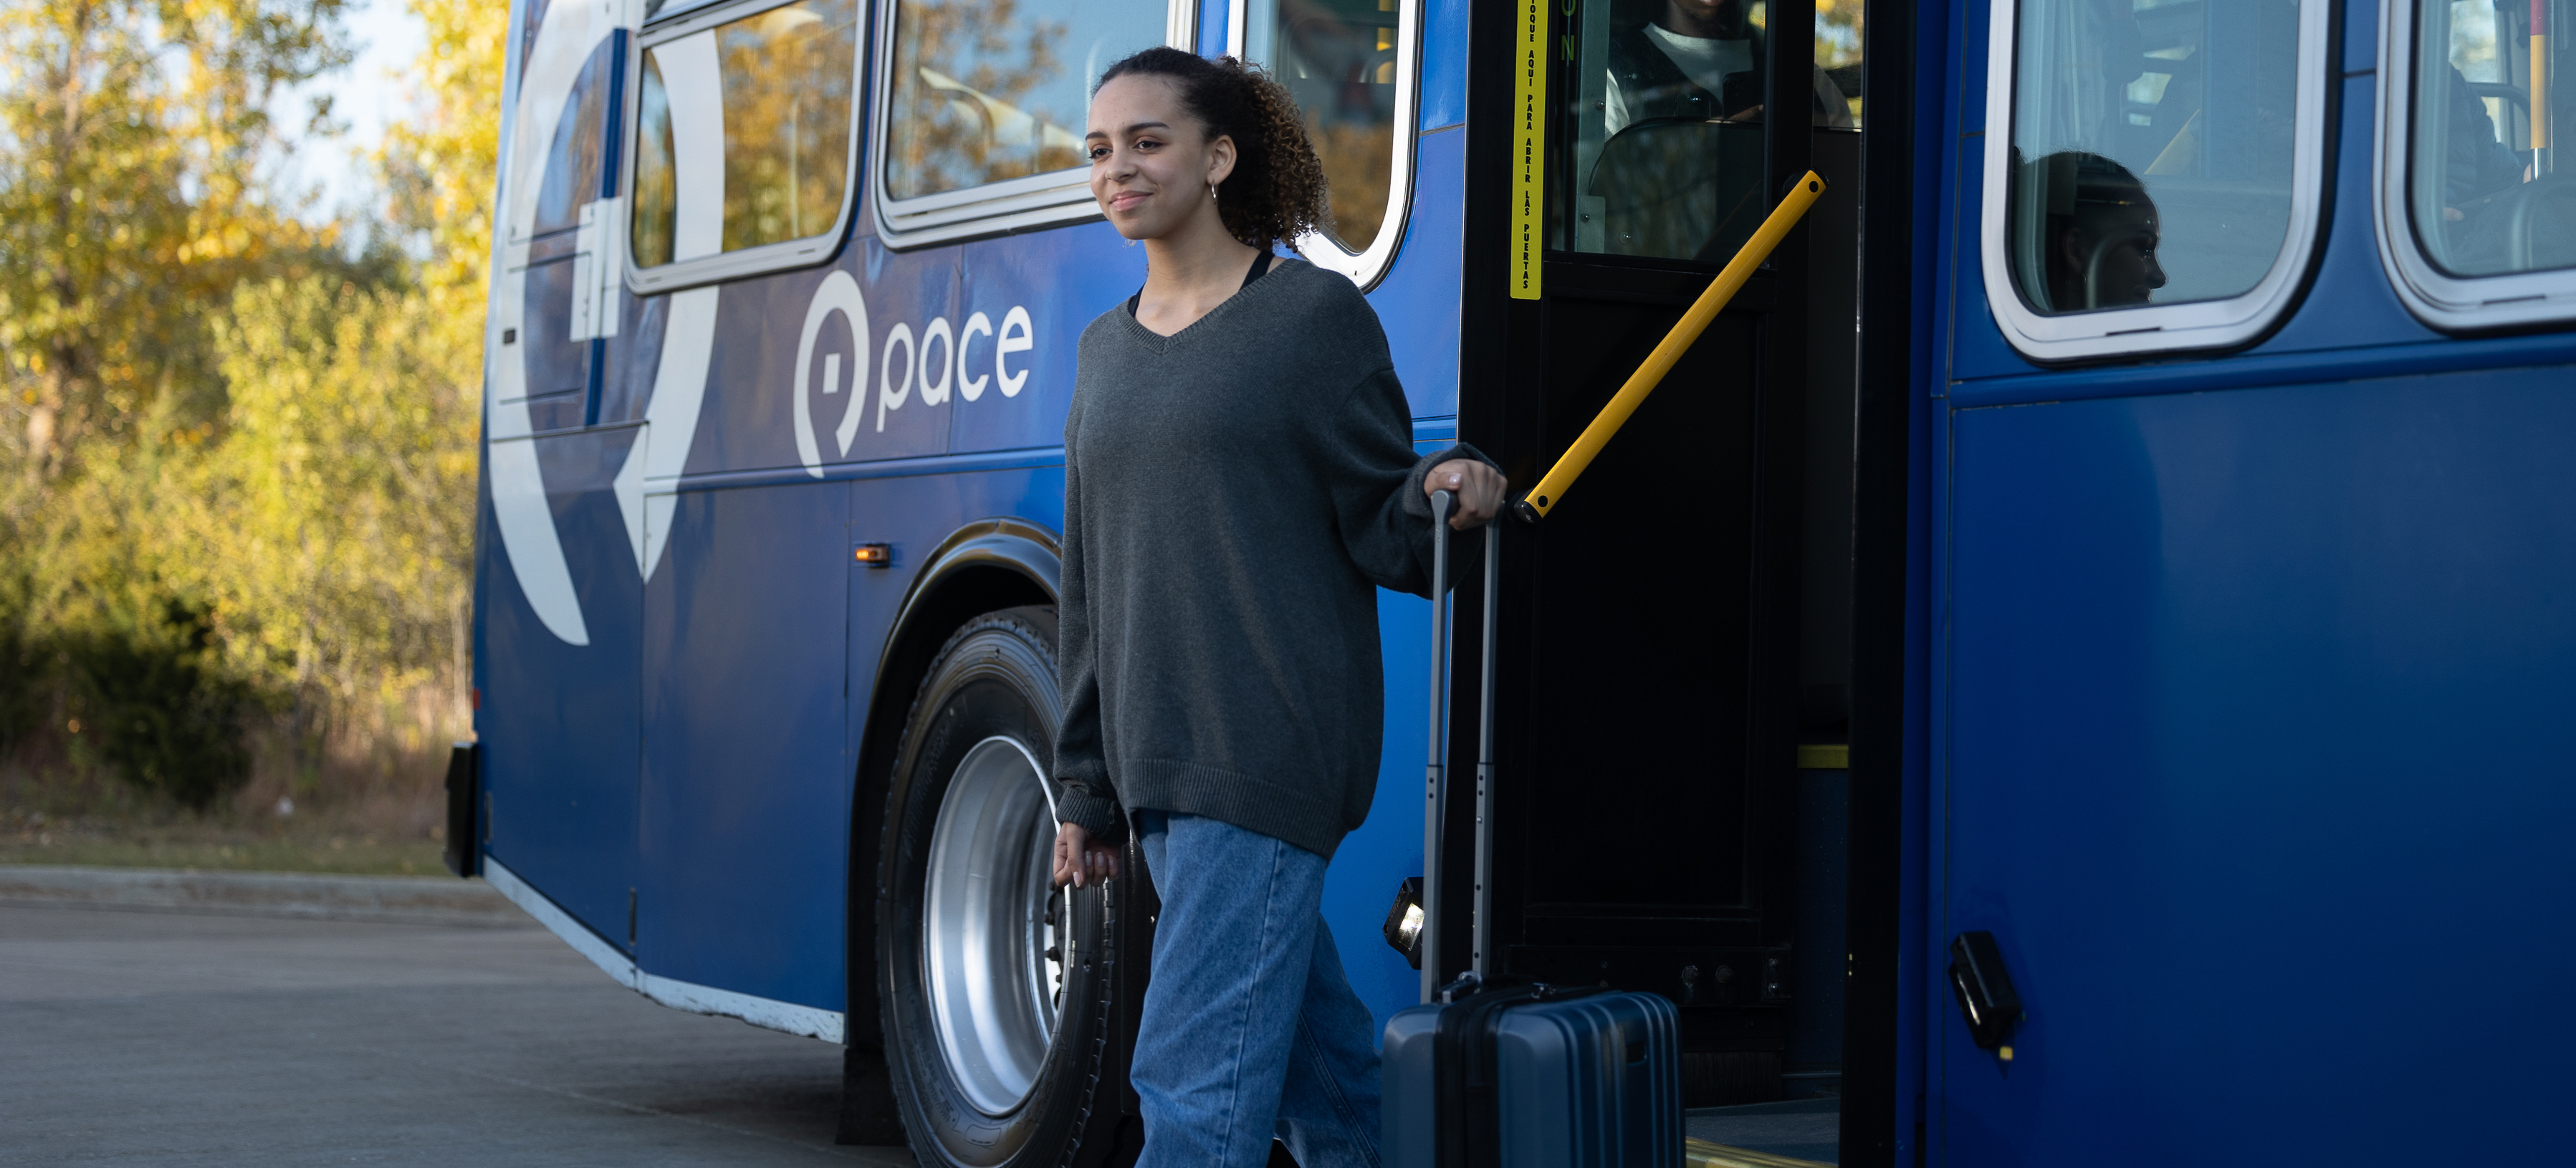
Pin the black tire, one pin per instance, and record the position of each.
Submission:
(986, 712)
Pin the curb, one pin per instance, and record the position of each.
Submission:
(382, 899)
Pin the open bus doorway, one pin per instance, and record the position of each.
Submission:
(1676, 804)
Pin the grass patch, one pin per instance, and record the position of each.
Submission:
(216, 847)
(356, 805)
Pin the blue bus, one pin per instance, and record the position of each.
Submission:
(2055, 675)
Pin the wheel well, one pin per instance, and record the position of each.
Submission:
(949, 600)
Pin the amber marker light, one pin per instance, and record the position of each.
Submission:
(875, 555)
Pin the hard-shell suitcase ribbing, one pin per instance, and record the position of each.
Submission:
(1494, 1074)
(1574, 1082)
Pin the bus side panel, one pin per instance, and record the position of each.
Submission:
(913, 513)
(558, 722)
(1418, 301)
(747, 776)
(2249, 773)
(745, 782)
(1444, 64)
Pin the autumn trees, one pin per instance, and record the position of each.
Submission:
(236, 444)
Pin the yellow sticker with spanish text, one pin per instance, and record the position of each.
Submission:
(1529, 149)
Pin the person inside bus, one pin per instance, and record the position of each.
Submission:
(1239, 481)
(2476, 167)
(2100, 236)
(1701, 60)
(2476, 162)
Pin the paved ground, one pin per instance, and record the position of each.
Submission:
(396, 900)
(165, 1039)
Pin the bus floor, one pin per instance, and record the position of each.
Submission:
(1799, 1133)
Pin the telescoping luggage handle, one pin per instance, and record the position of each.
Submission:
(1436, 771)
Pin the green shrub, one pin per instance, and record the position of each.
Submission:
(26, 680)
(167, 716)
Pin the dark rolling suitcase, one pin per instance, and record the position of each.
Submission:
(1495, 1073)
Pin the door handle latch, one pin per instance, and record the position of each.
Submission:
(1985, 991)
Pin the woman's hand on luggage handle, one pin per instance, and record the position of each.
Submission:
(1080, 862)
(1477, 487)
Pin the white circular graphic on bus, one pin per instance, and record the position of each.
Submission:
(838, 293)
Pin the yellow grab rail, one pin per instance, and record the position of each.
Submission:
(1720, 290)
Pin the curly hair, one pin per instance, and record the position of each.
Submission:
(1276, 191)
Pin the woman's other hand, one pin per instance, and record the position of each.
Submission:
(1080, 862)
(1478, 488)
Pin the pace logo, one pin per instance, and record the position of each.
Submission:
(927, 366)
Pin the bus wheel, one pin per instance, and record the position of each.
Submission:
(994, 985)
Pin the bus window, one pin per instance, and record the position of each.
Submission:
(984, 91)
(2156, 182)
(2141, 174)
(1665, 116)
(1349, 65)
(2481, 195)
(773, 160)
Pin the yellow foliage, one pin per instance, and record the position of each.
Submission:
(441, 163)
(333, 526)
(205, 405)
(131, 198)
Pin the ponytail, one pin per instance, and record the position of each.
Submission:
(1276, 191)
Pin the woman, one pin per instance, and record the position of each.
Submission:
(1239, 479)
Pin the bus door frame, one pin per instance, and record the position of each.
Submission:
(1501, 359)
(1503, 352)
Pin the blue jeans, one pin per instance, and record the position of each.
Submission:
(1250, 1028)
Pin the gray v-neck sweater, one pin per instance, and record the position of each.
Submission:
(1234, 496)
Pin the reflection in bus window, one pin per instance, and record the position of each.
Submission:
(1666, 118)
(2152, 144)
(1699, 59)
(1338, 59)
(783, 80)
(987, 90)
(1838, 50)
(656, 190)
(2482, 185)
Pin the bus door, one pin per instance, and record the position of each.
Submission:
(558, 652)
(1658, 677)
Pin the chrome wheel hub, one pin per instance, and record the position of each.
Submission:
(992, 952)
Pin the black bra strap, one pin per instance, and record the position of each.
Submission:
(1260, 267)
